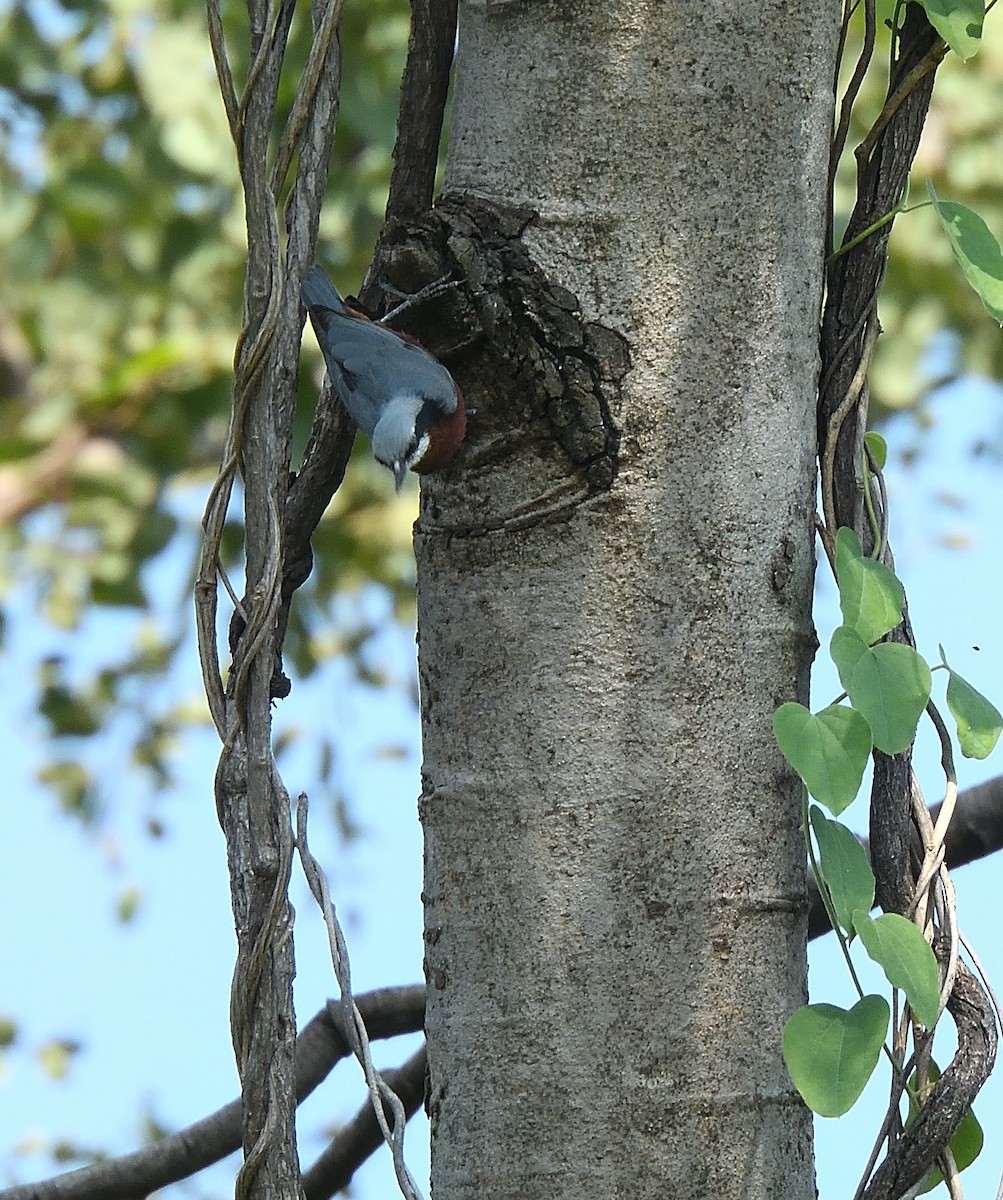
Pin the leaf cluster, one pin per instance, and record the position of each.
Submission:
(832, 1052)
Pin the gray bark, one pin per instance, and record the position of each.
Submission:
(615, 898)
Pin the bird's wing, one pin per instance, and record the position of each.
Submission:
(379, 364)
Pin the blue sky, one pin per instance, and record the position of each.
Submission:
(149, 1000)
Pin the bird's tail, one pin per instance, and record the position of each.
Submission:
(319, 292)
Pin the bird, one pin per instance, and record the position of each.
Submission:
(403, 399)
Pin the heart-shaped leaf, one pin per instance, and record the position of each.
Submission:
(870, 598)
(889, 685)
(829, 750)
(979, 721)
(831, 1053)
(878, 448)
(959, 23)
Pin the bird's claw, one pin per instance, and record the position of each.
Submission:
(428, 292)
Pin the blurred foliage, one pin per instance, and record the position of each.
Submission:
(56, 1056)
(961, 152)
(122, 248)
(122, 251)
(129, 902)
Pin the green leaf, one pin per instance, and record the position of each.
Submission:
(56, 1056)
(959, 23)
(976, 250)
(74, 786)
(845, 869)
(828, 750)
(847, 547)
(889, 685)
(846, 649)
(979, 721)
(870, 597)
(831, 1053)
(69, 715)
(878, 448)
(128, 903)
(901, 951)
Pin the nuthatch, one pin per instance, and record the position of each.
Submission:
(405, 401)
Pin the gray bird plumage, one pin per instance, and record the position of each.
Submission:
(393, 388)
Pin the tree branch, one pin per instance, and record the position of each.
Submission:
(423, 103)
(387, 1012)
(252, 803)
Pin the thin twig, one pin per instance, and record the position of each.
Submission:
(850, 401)
(895, 101)
(848, 101)
(379, 1091)
(306, 92)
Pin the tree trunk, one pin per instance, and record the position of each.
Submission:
(615, 897)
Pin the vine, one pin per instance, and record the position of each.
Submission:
(929, 1132)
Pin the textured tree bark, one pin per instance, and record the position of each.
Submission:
(615, 899)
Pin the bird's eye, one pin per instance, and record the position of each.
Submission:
(411, 451)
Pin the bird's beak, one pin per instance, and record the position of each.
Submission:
(400, 472)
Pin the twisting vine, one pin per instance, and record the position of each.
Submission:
(283, 169)
(253, 805)
(909, 881)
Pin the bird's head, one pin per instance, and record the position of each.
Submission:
(419, 433)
